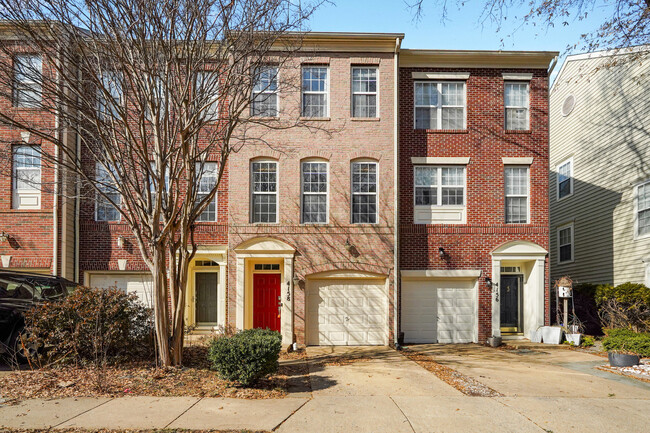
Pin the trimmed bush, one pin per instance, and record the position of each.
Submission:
(624, 306)
(246, 356)
(93, 324)
(627, 341)
(587, 341)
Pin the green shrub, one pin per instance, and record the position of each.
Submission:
(627, 341)
(91, 325)
(587, 341)
(624, 306)
(246, 356)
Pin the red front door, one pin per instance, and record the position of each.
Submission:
(266, 301)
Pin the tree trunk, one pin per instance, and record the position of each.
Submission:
(161, 312)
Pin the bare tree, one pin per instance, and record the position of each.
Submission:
(150, 98)
(628, 24)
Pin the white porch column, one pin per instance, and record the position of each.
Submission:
(496, 305)
(241, 288)
(287, 301)
(541, 284)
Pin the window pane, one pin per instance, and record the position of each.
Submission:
(426, 94)
(564, 188)
(565, 253)
(207, 94)
(453, 94)
(314, 105)
(265, 99)
(426, 176)
(516, 95)
(516, 181)
(27, 168)
(264, 208)
(364, 188)
(516, 210)
(452, 118)
(364, 106)
(565, 236)
(644, 196)
(314, 208)
(207, 181)
(265, 105)
(364, 209)
(453, 176)
(314, 177)
(452, 196)
(516, 119)
(426, 196)
(27, 81)
(426, 118)
(264, 177)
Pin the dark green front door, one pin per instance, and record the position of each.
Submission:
(206, 297)
(510, 294)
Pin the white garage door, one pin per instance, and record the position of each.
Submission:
(140, 284)
(347, 312)
(436, 311)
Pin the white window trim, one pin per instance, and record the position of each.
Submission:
(352, 92)
(216, 194)
(505, 194)
(636, 211)
(17, 194)
(557, 179)
(211, 117)
(559, 229)
(505, 107)
(326, 194)
(98, 197)
(439, 84)
(376, 193)
(252, 191)
(268, 91)
(310, 92)
(439, 187)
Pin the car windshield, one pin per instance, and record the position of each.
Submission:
(50, 290)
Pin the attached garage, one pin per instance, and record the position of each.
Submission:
(439, 306)
(138, 283)
(347, 309)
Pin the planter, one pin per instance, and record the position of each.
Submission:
(573, 338)
(536, 336)
(622, 359)
(551, 334)
(494, 341)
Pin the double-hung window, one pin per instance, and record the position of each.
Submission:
(516, 103)
(28, 87)
(364, 192)
(264, 102)
(104, 209)
(314, 192)
(643, 209)
(440, 105)
(109, 96)
(27, 177)
(315, 87)
(207, 174)
(364, 92)
(516, 192)
(565, 243)
(565, 179)
(207, 95)
(439, 186)
(264, 190)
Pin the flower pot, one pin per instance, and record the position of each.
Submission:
(622, 359)
(551, 334)
(494, 341)
(573, 338)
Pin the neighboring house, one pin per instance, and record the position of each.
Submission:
(36, 220)
(600, 168)
(473, 177)
(303, 235)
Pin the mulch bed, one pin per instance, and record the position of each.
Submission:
(464, 384)
(194, 379)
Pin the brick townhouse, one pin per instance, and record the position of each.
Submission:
(302, 237)
(473, 201)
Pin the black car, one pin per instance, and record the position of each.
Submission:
(19, 292)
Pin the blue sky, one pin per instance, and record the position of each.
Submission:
(461, 31)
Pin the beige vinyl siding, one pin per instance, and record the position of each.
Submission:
(608, 136)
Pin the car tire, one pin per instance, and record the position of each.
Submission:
(18, 353)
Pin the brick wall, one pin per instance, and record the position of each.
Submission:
(485, 142)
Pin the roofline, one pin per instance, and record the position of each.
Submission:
(477, 58)
(349, 35)
(597, 55)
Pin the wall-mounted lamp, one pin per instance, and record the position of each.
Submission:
(494, 286)
(120, 241)
(348, 245)
(441, 252)
(4, 236)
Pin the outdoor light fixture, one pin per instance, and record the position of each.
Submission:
(4, 236)
(120, 241)
(494, 286)
(348, 245)
(441, 252)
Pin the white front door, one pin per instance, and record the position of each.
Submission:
(347, 312)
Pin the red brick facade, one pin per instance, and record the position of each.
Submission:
(485, 141)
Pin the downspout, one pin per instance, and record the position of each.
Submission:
(55, 206)
(396, 274)
(547, 265)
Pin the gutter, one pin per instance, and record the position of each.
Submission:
(396, 283)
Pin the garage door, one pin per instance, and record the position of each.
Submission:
(438, 311)
(347, 312)
(140, 284)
